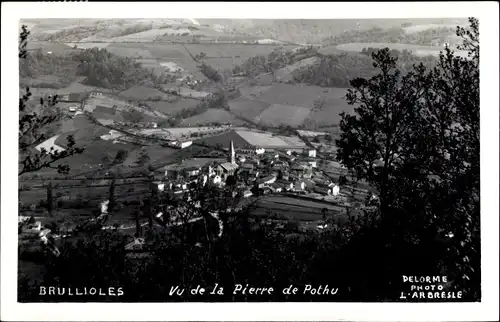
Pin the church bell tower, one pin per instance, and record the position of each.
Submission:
(232, 154)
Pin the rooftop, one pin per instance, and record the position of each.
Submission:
(190, 163)
(229, 166)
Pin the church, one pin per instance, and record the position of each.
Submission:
(228, 168)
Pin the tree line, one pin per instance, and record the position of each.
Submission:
(428, 37)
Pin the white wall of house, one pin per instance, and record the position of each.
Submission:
(260, 151)
(300, 185)
(311, 153)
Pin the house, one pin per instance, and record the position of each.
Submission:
(265, 181)
(266, 190)
(216, 179)
(260, 151)
(185, 144)
(271, 154)
(335, 190)
(310, 153)
(287, 185)
(276, 187)
(321, 189)
(312, 163)
(246, 167)
(192, 171)
(309, 184)
(300, 185)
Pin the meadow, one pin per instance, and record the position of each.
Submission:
(247, 108)
(416, 49)
(212, 115)
(144, 93)
(295, 209)
(172, 108)
(279, 114)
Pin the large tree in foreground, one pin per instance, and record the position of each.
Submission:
(32, 123)
(415, 137)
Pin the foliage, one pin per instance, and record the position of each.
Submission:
(337, 70)
(428, 37)
(210, 72)
(133, 116)
(415, 137)
(120, 156)
(143, 157)
(103, 69)
(32, 125)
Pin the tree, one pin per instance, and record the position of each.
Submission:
(50, 201)
(133, 116)
(31, 127)
(111, 197)
(143, 158)
(275, 60)
(415, 138)
(120, 156)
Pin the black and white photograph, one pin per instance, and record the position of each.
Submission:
(249, 159)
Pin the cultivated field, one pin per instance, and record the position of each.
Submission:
(54, 48)
(150, 63)
(419, 28)
(247, 108)
(416, 49)
(212, 116)
(88, 45)
(179, 132)
(172, 108)
(285, 74)
(112, 104)
(298, 95)
(296, 209)
(144, 93)
(237, 52)
(128, 51)
(253, 91)
(144, 36)
(279, 114)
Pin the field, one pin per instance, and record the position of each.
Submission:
(247, 108)
(416, 49)
(285, 74)
(113, 105)
(144, 93)
(183, 132)
(212, 116)
(296, 209)
(149, 63)
(290, 104)
(55, 48)
(88, 45)
(130, 52)
(278, 114)
(419, 28)
(172, 108)
(144, 36)
(236, 53)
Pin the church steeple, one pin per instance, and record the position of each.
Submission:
(232, 154)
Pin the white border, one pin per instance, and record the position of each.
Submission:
(487, 12)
